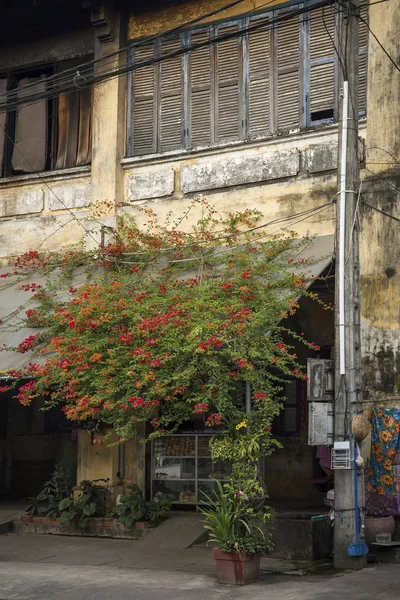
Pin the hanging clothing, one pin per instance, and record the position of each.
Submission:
(383, 474)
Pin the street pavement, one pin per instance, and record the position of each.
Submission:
(34, 567)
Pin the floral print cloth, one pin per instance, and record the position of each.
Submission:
(383, 474)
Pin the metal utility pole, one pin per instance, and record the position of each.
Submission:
(348, 376)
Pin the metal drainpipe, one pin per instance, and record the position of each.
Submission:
(121, 461)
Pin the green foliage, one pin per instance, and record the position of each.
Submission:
(172, 324)
(233, 523)
(158, 508)
(133, 508)
(58, 487)
(251, 544)
(91, 503)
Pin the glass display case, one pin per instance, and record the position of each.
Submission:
(181, 467)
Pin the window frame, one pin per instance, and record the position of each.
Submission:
(305, 117)
(12, 77)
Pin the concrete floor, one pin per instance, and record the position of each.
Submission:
(44, 567)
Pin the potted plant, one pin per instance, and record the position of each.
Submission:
(231, 523)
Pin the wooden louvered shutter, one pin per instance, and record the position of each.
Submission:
(143, 117)
(259, 87)
(171, 99)
(288, 79)
(363, 62)
(228, 92)
(322, 64)
(200, 92)
(3, 90)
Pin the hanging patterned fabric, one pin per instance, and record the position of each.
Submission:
(383, 481)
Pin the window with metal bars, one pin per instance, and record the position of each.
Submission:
(243, 80)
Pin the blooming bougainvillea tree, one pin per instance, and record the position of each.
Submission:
(169, 325)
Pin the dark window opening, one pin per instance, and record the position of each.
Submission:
(47, 134)
(322, 115)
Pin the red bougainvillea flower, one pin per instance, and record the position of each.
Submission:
(213, 420)
(199, 408)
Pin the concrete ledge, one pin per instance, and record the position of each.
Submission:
(6, 527)
(28, 202)
(240, 170)
(321, 157)
(301, 538)
(152, 184)
(96, 527)
(68, 196)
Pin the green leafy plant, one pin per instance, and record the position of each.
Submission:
(91, 503)
(47, 502)
(158, 508)
(170, 325)
(132, 506)
(232, 523)
(251, 544)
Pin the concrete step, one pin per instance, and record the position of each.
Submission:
(6, 527)
(178, 531)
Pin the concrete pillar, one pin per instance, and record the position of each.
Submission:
(108, 120)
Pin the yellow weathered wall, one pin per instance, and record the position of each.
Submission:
(379, 240)
(102, 461)
(29, 219)
(168, 15)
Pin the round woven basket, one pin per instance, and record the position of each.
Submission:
(360, 427)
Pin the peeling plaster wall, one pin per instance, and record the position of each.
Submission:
(149, 21)
(279, 178)
(379, 240)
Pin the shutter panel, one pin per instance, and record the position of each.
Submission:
(29, 153)
(363, 62)
(3, 90)
(228, 96)
(259, 81)
(200, 92)
(288, 80)
(322, 64)
(143, 100)
(171, 104)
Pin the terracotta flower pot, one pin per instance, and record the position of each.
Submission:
(374, 525)
(237, 568)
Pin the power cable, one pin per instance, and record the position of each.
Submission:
(382, 212)
(396, 66)
(286, 221)
(43, 179)
(376, 176)
(99, 76)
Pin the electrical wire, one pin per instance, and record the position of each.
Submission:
(382, 212)
(43, 179)
(396, 66)
(83, 78)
